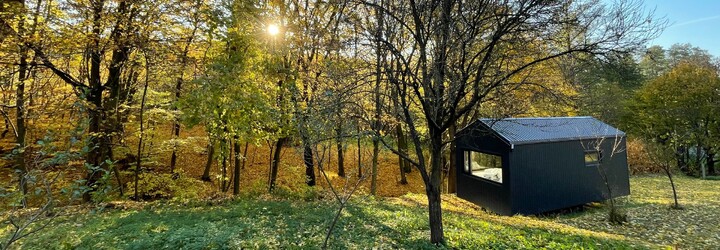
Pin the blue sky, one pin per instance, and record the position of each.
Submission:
(691, 21)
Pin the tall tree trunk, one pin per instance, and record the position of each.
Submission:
(401, 139)
(178, 89)
(359, 153)
(680, 156)
(96, 155)
(280, 102)
(112, 110)
(373, 182)
(402, 147)
(20, 129)
(224, 181)
(208, 163)
(435, 213)
(175, 134)
(245, 154)
(101, 127)
(698, 160)
(710, 161)
(142, 132)
(452, 171)
(224, 155)
(341, 156)
(275, 163)
(327, 151)
(238, 158)
(309, 164)
(114, 85)
(378, 80)
(432, 189)
(225, 147)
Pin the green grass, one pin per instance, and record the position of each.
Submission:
(254, 223)
(271, 222)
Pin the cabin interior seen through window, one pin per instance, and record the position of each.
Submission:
(486, 166)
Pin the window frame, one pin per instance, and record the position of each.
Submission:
(598, 157)
(468, 172)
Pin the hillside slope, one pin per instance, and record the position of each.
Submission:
(260, 223)
(293, 221)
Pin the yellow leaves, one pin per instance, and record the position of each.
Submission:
(652, 220)
(680, 100)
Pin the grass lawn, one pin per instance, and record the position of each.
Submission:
(272, 222)
(697, 226)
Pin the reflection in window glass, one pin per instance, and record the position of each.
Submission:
(592, 158)
(486, 166)
(467, 162)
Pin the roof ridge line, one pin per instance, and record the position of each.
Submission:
(539, 118)
(547, 129)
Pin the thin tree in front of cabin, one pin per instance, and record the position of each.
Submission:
(456, 53)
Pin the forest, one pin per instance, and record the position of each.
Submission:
(331, 124)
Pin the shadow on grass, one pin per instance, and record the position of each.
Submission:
(516, 229)
(248, 223)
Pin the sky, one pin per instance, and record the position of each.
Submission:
(690, 21)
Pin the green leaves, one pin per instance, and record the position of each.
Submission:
(233, 98)
(680, 104)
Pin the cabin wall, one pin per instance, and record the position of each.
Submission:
(553, 175)
(488, 194)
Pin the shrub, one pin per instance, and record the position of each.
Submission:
(304, 193)
(638, 160)
(164, 186)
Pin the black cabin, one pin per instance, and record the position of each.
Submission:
(535, 165)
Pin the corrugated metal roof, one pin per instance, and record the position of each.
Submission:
(548, 129)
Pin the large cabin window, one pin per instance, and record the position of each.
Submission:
(486, 166)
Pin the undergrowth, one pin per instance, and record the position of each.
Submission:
(293, 223)
(298, 219)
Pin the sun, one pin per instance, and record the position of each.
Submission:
(273, 29)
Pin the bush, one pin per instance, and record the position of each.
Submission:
(304, 193)
(638, 160)
(163, 186)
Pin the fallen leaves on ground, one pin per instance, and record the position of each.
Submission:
(651, 219)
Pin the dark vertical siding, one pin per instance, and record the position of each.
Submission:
(488, 194)
(539, 177)
(616, 169)
(550, 176)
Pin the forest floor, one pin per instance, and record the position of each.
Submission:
(301, 221)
